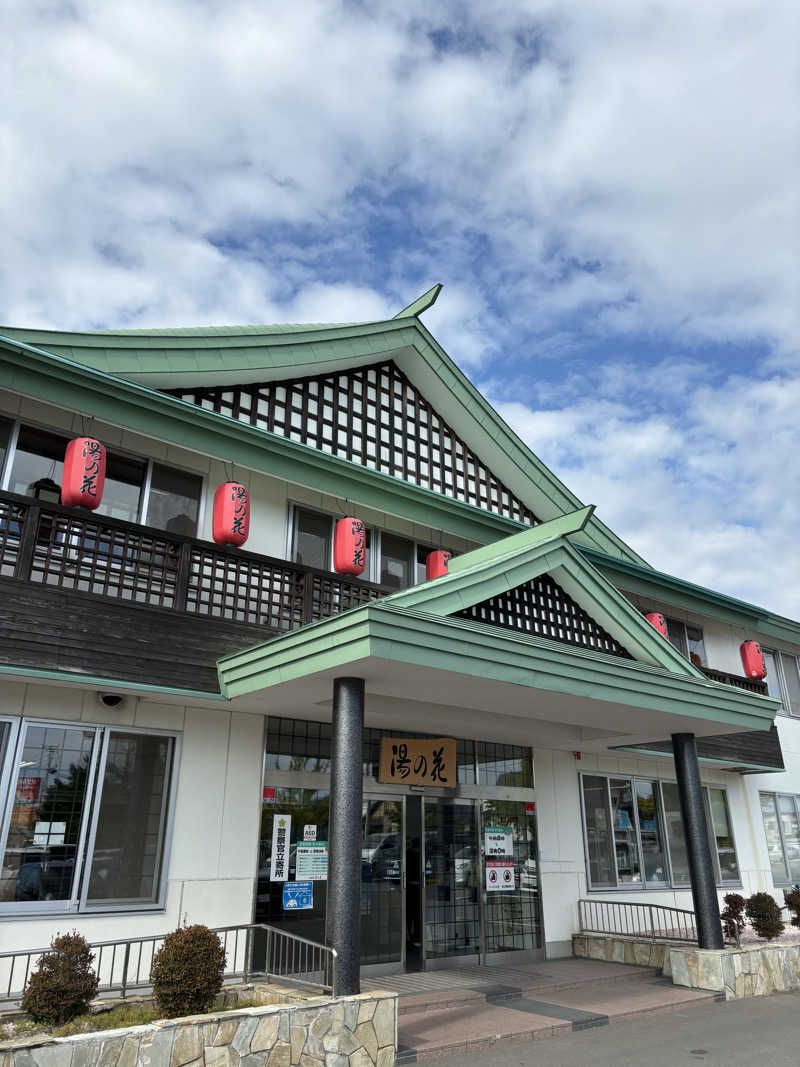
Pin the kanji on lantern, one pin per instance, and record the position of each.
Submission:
(231, 524)
(84, 473)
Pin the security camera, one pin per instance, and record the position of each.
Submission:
(111, 700)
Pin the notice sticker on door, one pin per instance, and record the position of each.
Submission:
(500, 876)
(309, 832)
(498, 841)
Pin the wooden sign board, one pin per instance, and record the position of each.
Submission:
(418, 761)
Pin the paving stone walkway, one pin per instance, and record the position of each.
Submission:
(469, 1009)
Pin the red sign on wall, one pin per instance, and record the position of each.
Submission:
(268, 793)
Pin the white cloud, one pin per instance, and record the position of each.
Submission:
(710, 492)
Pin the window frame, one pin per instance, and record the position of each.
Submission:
(643, 885)
(685, 626)
(149, 461)
(795, 798)
(78, 902)
(373, 572)
(786, 703)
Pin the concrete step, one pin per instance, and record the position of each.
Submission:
(413, 1003)
(483, 1020)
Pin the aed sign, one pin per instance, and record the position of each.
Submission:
(418, 761)
(498, 841)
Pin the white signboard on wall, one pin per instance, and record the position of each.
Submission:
(281, 836)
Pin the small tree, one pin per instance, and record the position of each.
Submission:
(733, 915)
(792, 899)
(764, 915)
(63, 983)
(187, 971)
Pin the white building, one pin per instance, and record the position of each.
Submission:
(164, 698)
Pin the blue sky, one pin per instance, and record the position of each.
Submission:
(608, 191)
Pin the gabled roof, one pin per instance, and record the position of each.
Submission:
(421, 626)
(173, 359)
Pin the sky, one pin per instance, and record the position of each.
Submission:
(608, 191)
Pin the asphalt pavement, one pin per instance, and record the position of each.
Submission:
(761, 1030)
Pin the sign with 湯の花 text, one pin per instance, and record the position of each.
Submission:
(498, 841)
(279, 862)
(298, 896)
(500, 876)
(418, 761)
(311, 861)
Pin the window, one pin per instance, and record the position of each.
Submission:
(136, 489)
(397, 561)
(783, 679)
(87, 818)
(634, 833)
(688, 640)
(174, 501)
(300, 745)
(393, 561)
(781, 815)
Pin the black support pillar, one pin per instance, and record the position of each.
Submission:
(343, 924)
(701, 868)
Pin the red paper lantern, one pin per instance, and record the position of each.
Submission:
(753, 659)
(84, 473)
(349, 546)
(436, 563)
(656, 619)
(231, 514)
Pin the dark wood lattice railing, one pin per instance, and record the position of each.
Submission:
(73, 550)
(373, 416)
(65, 548)
(542, 608)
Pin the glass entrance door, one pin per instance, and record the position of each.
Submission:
(452, 886)
(382, 876)
(513, 912)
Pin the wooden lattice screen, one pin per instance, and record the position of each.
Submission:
(373, 416)
(542, 608)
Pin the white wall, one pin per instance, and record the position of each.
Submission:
(212, 865)
(561, 849)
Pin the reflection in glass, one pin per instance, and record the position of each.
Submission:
(777, 860)
(653, 854)
(129, 841)
(512, 918)
(679, 857)
(722, 837)
(312, 539)
(396, 560)
(174, 501)
(625, 846)
(791, 835)
(381, 881)
(602, 871)
(452, 892)
(49, 801)
(38, 463)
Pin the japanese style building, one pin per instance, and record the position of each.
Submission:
(435, 769)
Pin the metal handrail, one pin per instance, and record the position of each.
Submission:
(659, 922)
(125, 965)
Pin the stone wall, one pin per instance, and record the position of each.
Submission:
(637, 951)
(359, 1031)
(753, 971)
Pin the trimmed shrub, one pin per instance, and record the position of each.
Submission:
(792, 899)
(733, 914)
(63, 983)
(764, 915)
(187, 971)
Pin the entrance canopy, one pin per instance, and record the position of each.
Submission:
(522, 639)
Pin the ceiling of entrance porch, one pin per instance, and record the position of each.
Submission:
(399, 696)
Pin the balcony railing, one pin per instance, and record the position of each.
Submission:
(70, 549)
(739, 681)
